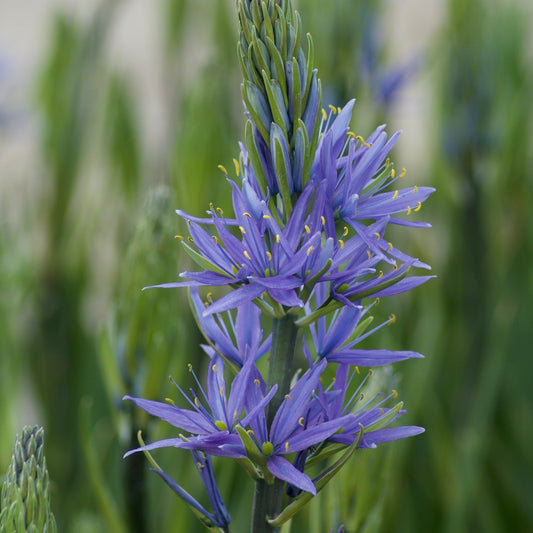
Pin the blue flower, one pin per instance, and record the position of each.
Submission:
(335, 338)
(220, 516)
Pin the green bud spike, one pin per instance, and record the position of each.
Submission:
(25, 497)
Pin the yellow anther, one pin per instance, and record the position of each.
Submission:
(369, 254)
(221, 391)
(247, 255)
(381, 410)
(362, 396)
(323, 220)
(370, 372)
(357, 369)
(250, 432)
(246, 214)
(415, 189)
(393, 173)
(243, 231)
(190, 239)
(209, 296)
(223, 169)
(377, 301)
(235, 414)
(178, 237)
(267, 217)
(341, 243)
(189, 366)
(351, 134)
(211, 206)
(345, 232)
(196, 402)
(307, 229)
(287, 447)
(324, 114)
(418, 206)
(237, 167)
(380, 275)
(170, 400)
(269, 255)
(301, 421)
(220, 212)
(310, 249)
(363, 142)
(404, 172)
(394, 266)
(392, 318)
(408, 210)
(395, 195)
(215, 237)
(378, 236)
(387, 161)
(333, 109)
(394, 393)
(339, 109)
(277, 238)
(257, 382)
(288, 397)
(390, 246)
(200, 466)
(333, 380)
(214, 368)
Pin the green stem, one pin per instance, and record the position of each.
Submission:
(267, 498)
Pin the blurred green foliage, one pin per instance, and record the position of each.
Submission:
(103, 218)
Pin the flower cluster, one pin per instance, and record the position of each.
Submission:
(304, 246)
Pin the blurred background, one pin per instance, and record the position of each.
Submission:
(115, 113)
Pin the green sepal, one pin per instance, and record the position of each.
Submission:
(253, 154)
(282, 176)
(260, 53)
(252, 451)
(305, 497)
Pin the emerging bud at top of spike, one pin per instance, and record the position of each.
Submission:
(25, 499)
(281, 93)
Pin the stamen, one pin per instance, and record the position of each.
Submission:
(381, 410)
(307, 229)
(223, 169)
(415, 189)
(394, 393)
(333, 109)
(215, 237)
(220, 212)
(257, 382)
(237, 167)
(370, 372)
(301, 421)
(351, 134)
(221, 392)
(178, 237)
(246, 214)
(323, 220)
(287, 447)
(214, 368)
(189, 366)
(235, 414)
(395, 195)
(250, 432)
(341, 243)
(377, 301)
(404, 172)
(200, 466)
(277, 237)
(378, 236)
(392, 318)
(288, 397)
(394, 266)
(267, 217)
(345, 232)
(390, 246)
(324, 114)
(247, 255)
(387, 162)
(196, 402)
(170, 400)
(310, 249)
(408, 210)
(243, 231)
(369, 254)
(269, 255)
(393, 173)
(190, 239)
(417, 208)
(380, 275)
(362, 396)
(357, 369)
(363, 142)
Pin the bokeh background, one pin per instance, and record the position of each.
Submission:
(114, 113)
